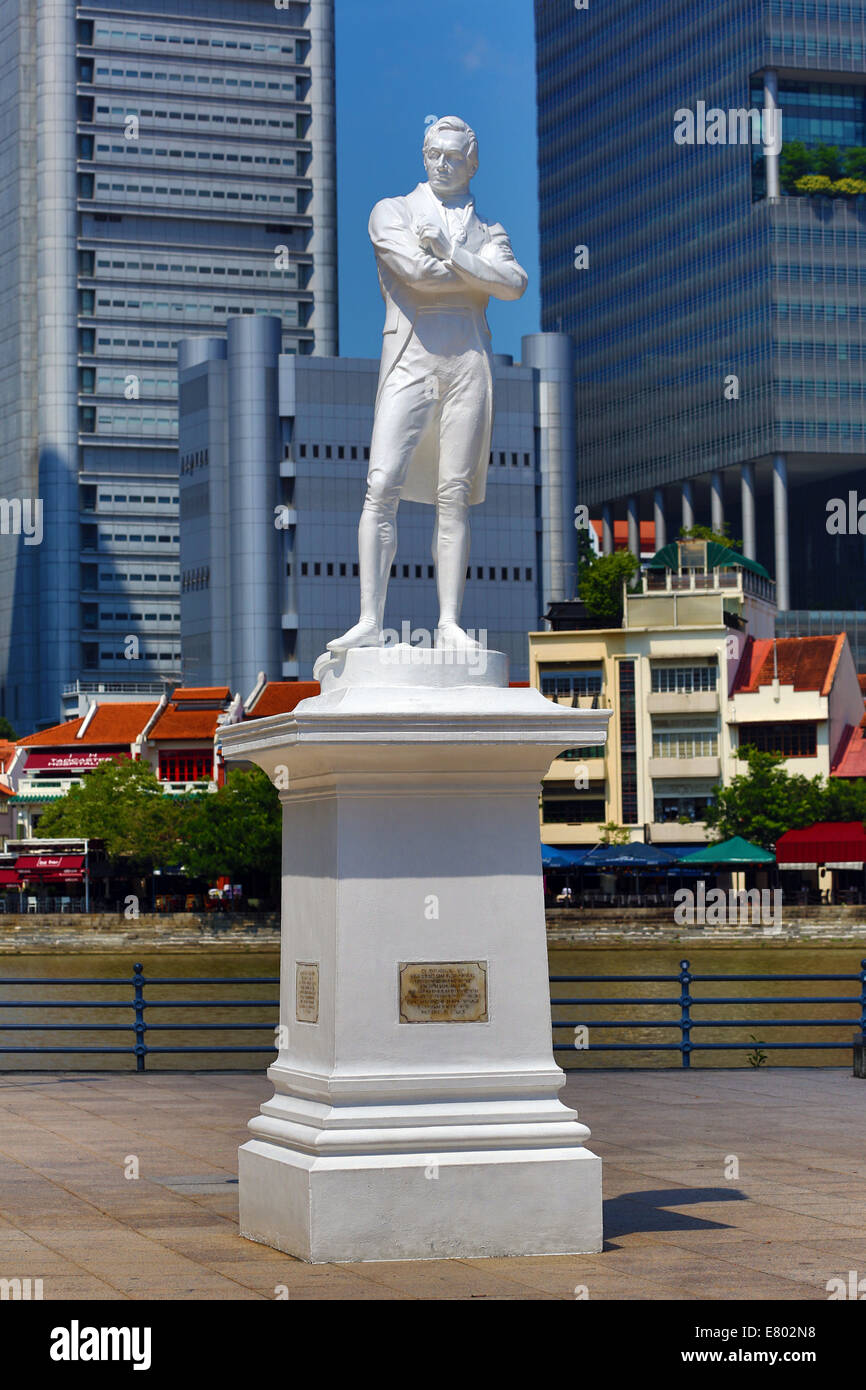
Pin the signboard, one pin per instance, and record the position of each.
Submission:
(82, 760)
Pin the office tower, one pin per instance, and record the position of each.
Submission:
(161, 169)
(274, 451)
(718, 308)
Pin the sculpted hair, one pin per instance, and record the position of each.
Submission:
(470, 139)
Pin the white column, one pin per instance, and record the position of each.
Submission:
(717, 502)
(415, 1112)
(661, 538)
(772, 132)
(747, 502)
(688, 506)
(607, 529)
(633, 527)
(780, 531)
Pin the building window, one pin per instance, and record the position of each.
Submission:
(560, 810)
(688, 738)
(683, 680)
(628, 743)
(185, 766)
(798, 740)
(570, 681)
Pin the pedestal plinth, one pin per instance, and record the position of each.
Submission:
(415, 1111)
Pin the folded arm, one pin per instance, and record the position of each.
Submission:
(494, 270)
(397, 247)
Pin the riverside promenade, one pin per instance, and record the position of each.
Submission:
(718, 1185)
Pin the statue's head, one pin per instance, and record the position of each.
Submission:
(450, 156)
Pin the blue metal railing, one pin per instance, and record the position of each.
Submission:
(684, 1023)
(686, 1001)
(139, 1048)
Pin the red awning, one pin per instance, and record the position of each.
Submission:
(8, 878)
(829, 844)
(61, 866)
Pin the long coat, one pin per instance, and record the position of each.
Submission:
(411, 278)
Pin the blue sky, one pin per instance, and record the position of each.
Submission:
(397, 62)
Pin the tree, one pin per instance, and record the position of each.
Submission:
(237, 830)
(854, 162)
(794, 163)
(766, 801)
(600, 582)
(706, 533)
(827, 161)
(6, 730)
(613, 834)
(123, 803)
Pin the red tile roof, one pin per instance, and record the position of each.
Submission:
(220, 693)
(115, 724)
(850, 758)
(279, 697)
(620, 535)
(55, 737)
(806, 663)
(183, 725)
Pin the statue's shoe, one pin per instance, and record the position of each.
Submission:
(366, 633)
(453, 637)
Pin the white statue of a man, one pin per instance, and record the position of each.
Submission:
(439, 263)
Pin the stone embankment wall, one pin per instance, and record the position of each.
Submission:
(566, 928)
(101, 931)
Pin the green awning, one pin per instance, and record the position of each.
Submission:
(730, 854)
(718, 558)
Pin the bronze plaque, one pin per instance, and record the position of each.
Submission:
(449, 991)
(306, 991)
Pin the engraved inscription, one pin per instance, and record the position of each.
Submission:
(450, 991)
(306, 991)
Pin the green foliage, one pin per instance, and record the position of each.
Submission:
(849, 188)
(827, 161)
(814, 184)
(600, 583)
(235, 831)
(6, 730)
(706, 533)
(795, 162)
(122, 803)
(613, 834)
(823, 170)
(854, 162)
(766, 801)
(756, 1058)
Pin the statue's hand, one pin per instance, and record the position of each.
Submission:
(434, 239)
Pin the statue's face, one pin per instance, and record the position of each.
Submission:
(445, 160)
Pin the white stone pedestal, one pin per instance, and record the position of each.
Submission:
(415, 1112)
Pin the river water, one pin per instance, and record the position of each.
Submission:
(260, 1007)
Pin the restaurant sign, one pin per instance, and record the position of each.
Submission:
(79, 760)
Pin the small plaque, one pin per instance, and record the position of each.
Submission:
(449, 991)
(306, 991)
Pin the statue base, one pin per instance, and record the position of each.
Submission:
(415, 1112)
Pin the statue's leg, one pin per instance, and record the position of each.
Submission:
(451, 553)
(401, 417)
(464, 437)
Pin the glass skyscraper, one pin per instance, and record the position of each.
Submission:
(162, 168)
(717, 300)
